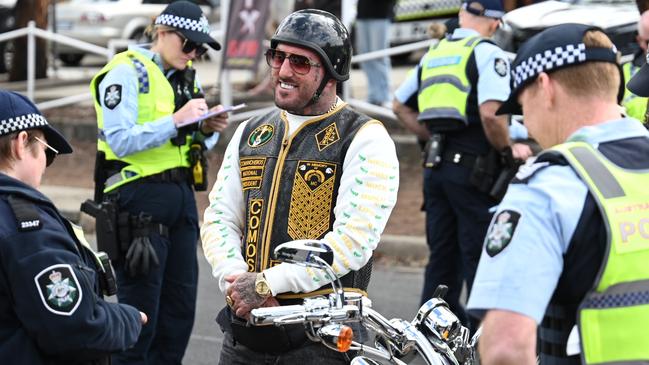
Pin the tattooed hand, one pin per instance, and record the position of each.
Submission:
(243, 294)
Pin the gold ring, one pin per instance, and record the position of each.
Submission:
(229, 301)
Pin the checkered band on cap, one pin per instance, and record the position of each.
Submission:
(548, 60)
(21, 123)
(179, 22)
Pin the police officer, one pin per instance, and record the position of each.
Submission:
(147, 101)
(634, 105)
(311, 169)
(450, 101)
(568, 243)
(52, 311)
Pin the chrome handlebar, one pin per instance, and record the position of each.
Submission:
(396, 338)
(435, 332)
(314, 310)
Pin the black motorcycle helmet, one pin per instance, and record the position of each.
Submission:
(322, 33)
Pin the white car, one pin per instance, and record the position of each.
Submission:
(413, 17)
(98, 21)
(618, 18)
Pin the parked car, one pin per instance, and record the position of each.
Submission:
(618, 18)
(98, 21)
(413, 17)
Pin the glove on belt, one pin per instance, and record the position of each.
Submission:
(141, 255)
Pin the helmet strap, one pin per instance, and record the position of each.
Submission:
(316, 95)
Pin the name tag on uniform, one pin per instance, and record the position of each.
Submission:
(443, 61)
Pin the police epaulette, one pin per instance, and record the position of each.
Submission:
(544, 160)
(26, 214)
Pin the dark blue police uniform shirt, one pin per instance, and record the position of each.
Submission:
(50, 311)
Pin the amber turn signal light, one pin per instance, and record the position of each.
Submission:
(345, 338)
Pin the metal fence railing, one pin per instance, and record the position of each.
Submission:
(31, 31)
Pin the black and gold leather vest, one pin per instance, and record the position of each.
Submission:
(290, 183)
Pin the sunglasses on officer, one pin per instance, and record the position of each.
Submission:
(189, 46)
(50, 152)
(301, 65)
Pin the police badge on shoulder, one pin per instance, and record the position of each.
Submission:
(501, 231)
(59, 289)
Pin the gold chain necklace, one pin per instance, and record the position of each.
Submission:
(333, 106)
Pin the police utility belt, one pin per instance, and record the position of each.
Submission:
(176, 175)
(490, 173)
(109, 173)
(435, 154)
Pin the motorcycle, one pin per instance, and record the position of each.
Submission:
(435, 334)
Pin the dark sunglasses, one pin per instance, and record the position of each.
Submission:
(299, 64)
(189, 46)
(50, 152)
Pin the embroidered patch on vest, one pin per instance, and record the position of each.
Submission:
(59, 289)
(312, 199)
(501, 231)
(500, 66)
(261, 135)
(112, 96)
(327, 136)
(255, 208)
(252, 172)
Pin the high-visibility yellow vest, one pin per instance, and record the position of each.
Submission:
(444, 87)
(155, 103)
(636, 106)
(613, 318)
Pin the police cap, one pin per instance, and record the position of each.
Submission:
(555, 48)
(487, 8)
(189, 20)
(17, 113)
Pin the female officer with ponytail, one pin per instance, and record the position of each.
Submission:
(144, 99)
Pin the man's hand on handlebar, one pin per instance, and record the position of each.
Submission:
(243, 294)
